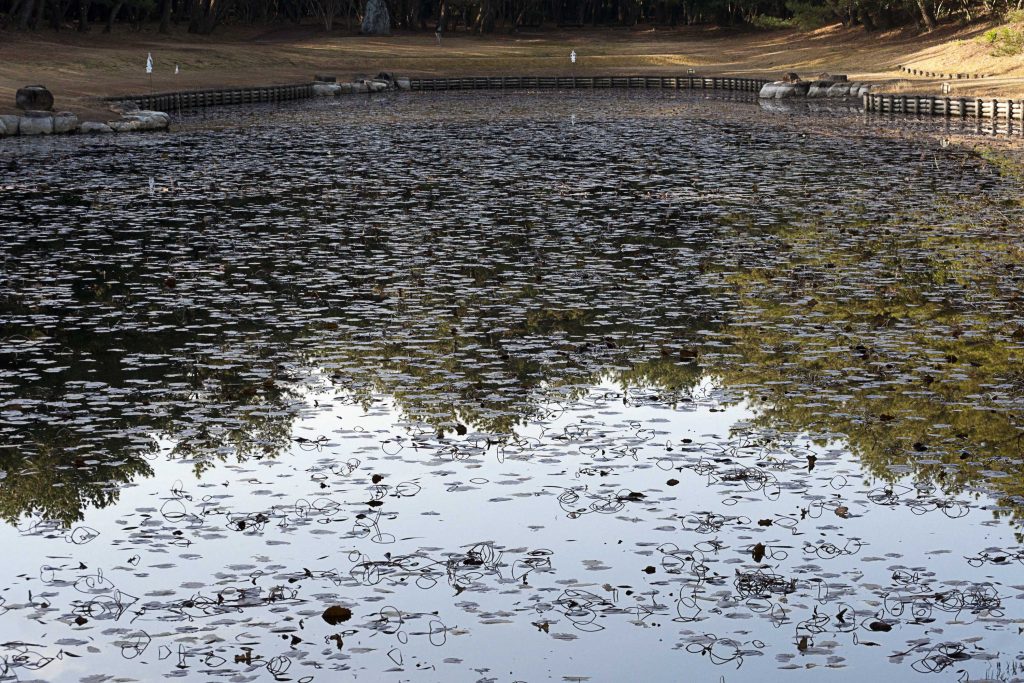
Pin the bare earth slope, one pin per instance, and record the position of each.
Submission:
(79, 68)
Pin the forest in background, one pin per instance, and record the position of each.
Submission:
(488, 16)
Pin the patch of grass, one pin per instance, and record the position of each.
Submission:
(1015, 16)
(1009, 165)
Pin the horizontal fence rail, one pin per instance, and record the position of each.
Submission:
(587, 82)
(962, 107)
(194, 99)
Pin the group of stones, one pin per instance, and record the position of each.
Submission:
(825, 85)
(38, 117)
(327, 86)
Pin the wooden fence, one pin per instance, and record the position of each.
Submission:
(193, 99)
(962, 107)
(587, 82)
(939, 74)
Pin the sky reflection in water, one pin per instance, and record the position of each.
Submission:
(531, 398)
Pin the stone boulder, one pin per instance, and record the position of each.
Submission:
(65, 122)
(839, 90)
(35, 123)
(94, 127)
(368, 85)
(326, 89)
(10, 124)
(819, 88)
(782, 90)
(141, 120)
(34, 98)
(149, 120)
(3, 129)
(376, 21)
(125, 107)
(125, 126)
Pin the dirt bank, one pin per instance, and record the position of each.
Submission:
(79, 68)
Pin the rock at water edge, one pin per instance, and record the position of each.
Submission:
(94, 127)
(65, 122)
(819, 88)
(10, 123)
(35, 123)
(125, 126)
(326, 89)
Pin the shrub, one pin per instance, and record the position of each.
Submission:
(810, 16)
(767, 23)
(1005, 41)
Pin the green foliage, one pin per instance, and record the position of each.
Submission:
(1015, 16)
(1005, 41)
(770, 23)
(809, 15)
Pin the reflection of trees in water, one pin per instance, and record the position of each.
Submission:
(473, 315)
(50, 482)
(905, 340)
(74, 437)
(895, 339)
(217, 384)
(450, 380)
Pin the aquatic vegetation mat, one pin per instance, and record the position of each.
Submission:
(478, 387)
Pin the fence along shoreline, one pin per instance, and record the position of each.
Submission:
(881, 103)
(195, 99)
(931, 105)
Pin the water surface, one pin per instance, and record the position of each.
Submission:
(562, 386)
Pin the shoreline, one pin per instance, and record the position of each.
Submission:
(82, 69)
(152, 111)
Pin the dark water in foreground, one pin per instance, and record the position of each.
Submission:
(480, 387)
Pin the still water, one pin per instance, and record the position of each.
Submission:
(479, 387)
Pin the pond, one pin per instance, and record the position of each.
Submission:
(479, 387)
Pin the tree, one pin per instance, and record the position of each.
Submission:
(325, 11)
(376, 20)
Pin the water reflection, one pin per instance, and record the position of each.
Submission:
(752, 388)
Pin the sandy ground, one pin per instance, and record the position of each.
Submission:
(79, 68)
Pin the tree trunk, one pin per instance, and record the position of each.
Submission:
(926, 14)
(376, 20)
(59, 9)
(205, 16)
(112, 16)
(485, 18)
(26, 14)
(166, 9)
(83, 15)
